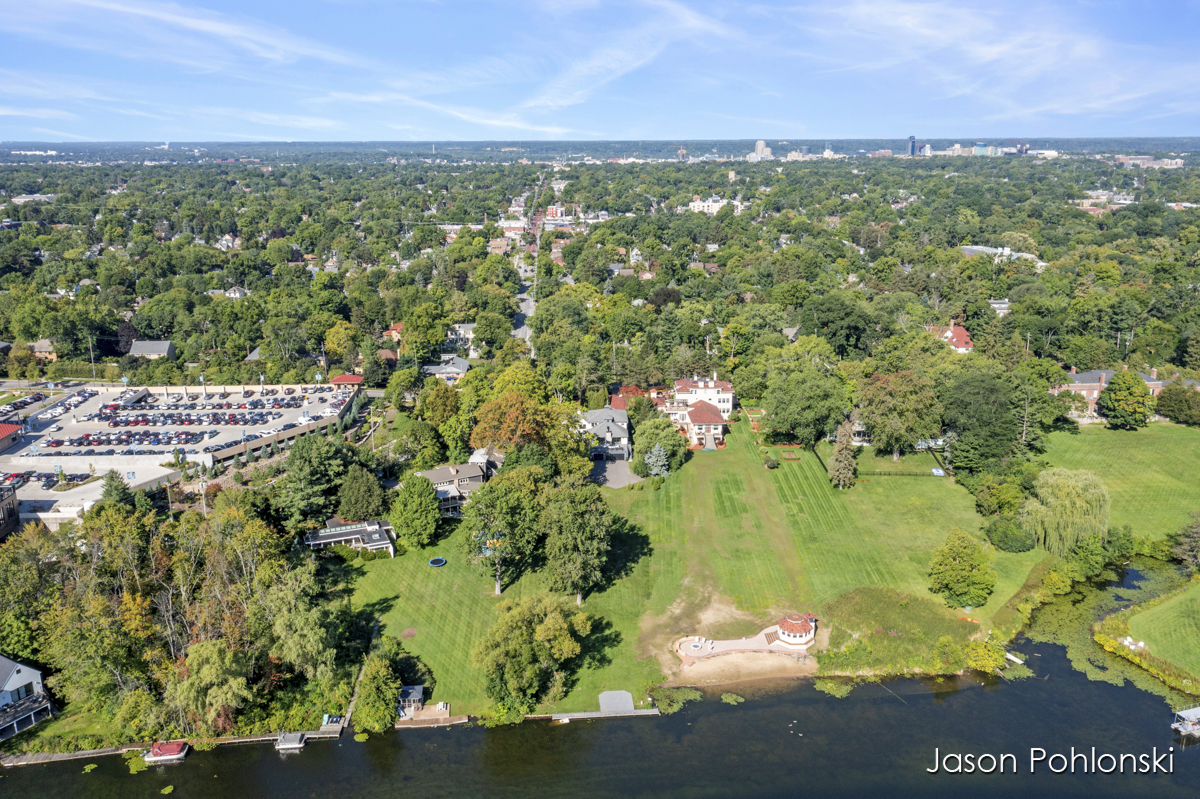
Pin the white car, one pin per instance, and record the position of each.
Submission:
(55, 428)
(329, 412)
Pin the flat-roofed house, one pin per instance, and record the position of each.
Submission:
(373, 536)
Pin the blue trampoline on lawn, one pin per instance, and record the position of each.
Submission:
(435, 562)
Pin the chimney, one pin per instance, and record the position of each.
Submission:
(1072, 370)
(1103, 379)
(1124, 367)
(453, 470)
(1153, 374)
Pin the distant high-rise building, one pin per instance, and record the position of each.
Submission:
(805, 149)
(760, 148)
(912, 145)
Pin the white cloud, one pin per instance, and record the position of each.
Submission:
(35, 113)
(625, 52)
(1025, 65)
(474, 116)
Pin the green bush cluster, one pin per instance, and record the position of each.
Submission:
(671, 700)
(1006, 534)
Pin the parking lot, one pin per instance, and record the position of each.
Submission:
(94, 430)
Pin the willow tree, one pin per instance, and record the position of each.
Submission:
(1067, 507)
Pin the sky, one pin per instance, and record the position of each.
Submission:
(422, 70)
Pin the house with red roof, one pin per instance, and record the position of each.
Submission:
(956, 336)
(347, 380)
(718, 393)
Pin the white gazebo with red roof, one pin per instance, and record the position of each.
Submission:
(797, 630)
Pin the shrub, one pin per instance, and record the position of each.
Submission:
(770, 463)
(1006, 534)
(239, 478)
(670, 700)
(736, 416)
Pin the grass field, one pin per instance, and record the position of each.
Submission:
(730, 546)
(1172, 630)
(1153, 474)
(451, 608)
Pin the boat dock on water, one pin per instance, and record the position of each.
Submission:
(169, 752)
(1187, 722)
(290, 741)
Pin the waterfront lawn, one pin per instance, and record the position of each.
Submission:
(451, 608)
(735, 544)
(1152, 474)
(85, 730)
(1172, 630)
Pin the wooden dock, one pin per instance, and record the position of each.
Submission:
(446, 721)
(326, 732)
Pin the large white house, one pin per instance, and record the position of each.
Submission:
(718, 393)
(23, 701)
(462, 337)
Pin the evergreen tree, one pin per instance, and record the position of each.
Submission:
(657, 462)
(360, 497)
(415, 513)
(1192, 360)
(843, 467)
(1186, 543)
(1126, 401)
(115, 490)
(960, 570)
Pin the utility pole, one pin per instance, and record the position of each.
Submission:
(92, 356)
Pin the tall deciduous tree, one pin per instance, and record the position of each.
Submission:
(578, 527)
(415, 513)
(899, 410)
(1186, 543)
(805, 405)
(1067, 507)
(375, 707)
(438, 404)
(843, 464)
(501, 525)
(960, 571)
(526, 654)
(1126, 402)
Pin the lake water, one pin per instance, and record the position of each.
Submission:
(786, 740)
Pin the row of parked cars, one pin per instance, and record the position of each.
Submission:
(188, 419)
(252, 437)
(22, 403)
(152, 438)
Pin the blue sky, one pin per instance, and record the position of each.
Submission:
(594, 69)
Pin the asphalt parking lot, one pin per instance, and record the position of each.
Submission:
(100, 424)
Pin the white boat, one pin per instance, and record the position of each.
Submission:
(171, 752)
(290, 741)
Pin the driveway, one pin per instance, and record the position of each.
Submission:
(613, 474)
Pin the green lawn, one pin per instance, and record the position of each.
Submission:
(1152, 474)
(769, 541)
(1172, 630)
(731, 546)
(452, 607)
